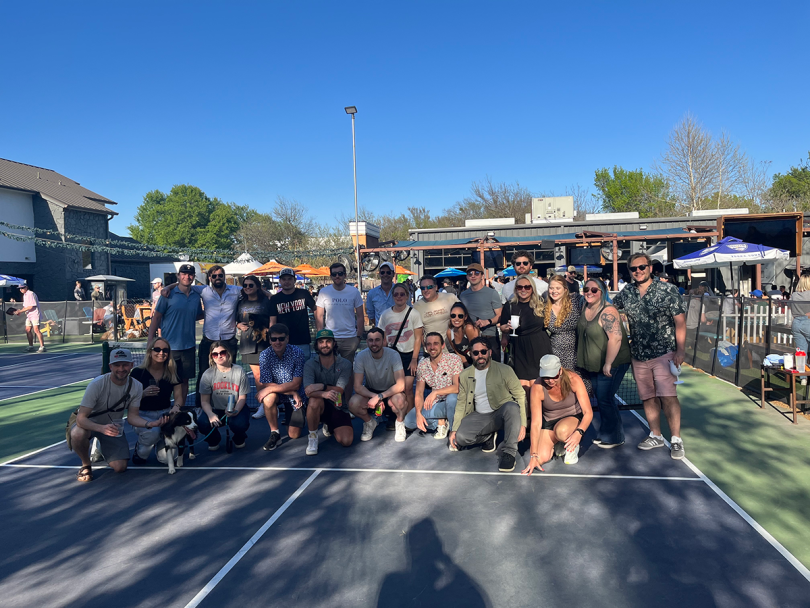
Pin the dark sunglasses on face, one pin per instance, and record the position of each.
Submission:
(478, 353)
(248, 285)
(382, 272)
(219, 353)
(474, 273)
(217, 276)
(427, 287)
(639, 267)
(338, 274)
(278, 338)
(461, 316)
(158, 350)
(591, 290)
(522, 264)
(524, 287)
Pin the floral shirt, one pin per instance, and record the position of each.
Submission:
(449, 365)
(280, 371)
(652, 318)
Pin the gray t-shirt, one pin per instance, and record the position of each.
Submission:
(379, 373)
(220, 385)
(340, 375)
(482, 304)
(800, 303)
(103, 393)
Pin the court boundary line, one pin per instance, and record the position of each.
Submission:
(780, 548)
(10, 465)
(44, 359)
(209, 587)
(43, 390)
(47, 447)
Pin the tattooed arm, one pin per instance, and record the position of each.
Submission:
(611, 323)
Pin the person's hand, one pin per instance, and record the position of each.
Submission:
(534, 463)
(233, 413)
(504, 337)
(430, 400)
(214, 419)
(151, 390)
(160, 422)
(522, 434)
(606, 370)
(573, 440)
(413, 365)
(243, 326)
(165, 292)
(452, 438)
(331, 395)
(111, 430)
(175, 409)
(421, 423)
(678, 358)
(372, 403)
(481, 323)
(297, 403)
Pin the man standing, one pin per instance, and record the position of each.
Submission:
(490, 398)
(339, 307)
(381, 298)
(571, 279)
(523, 262)
(96, 296)
(32, 314)
(384, 386)
(484, 305)
(280, 383)
(78, 292)
(657, 319)
(434, 307)
(326, 382)
(289, 306)
(175, 315)
(101, 416)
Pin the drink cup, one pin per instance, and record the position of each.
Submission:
(515, 320)
(788, 361)
(120, 426)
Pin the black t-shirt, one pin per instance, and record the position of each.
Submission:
(257, 311)
(573, 287)
(155, 403)
(292, 311)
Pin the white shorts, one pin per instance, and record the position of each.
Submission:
(29, 322)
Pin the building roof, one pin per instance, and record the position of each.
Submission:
(52, 186)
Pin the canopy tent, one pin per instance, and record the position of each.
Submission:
(400, 270)
(272, 267)
(244, 264)
(304, 269)
(590, 269)
(451, 272)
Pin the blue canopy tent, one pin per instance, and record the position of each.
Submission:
(451, 272)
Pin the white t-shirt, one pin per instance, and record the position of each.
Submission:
(509, 289)
(390, 321)
(339, 309)
(436, 314)
(481, 397)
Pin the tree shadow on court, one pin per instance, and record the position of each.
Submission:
(431, 577)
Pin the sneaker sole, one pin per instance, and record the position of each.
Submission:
(267, 448)
(506, 470)
(650, 447)
(309, 453)
(608, 446)
(675, 456)
(494, 447)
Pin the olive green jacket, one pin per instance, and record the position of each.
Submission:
(503, 386)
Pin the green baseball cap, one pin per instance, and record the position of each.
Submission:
(324, 333)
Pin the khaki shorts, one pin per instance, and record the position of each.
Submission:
(654, 378)
(32, 322)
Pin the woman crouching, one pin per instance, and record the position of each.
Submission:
(561, 413)
(222, 383)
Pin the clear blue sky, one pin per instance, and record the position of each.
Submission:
(245, 99)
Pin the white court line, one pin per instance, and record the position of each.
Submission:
(350, 470)
(45, 389)
(32, 453)
(197, 599)
(802, 569)
(41, 359)
(18, 386)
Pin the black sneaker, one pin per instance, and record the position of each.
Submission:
(135, 458)
(272, 442)
(506, 463)
(490, 445)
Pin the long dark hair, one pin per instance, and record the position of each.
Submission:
(467, 321)
(259, 291)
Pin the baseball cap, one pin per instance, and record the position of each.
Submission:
(389, 264)
(757, 293)
(157, 280)
(120, 355)
(188, 269)
(286, 272)
(24, 286)
(475, 266)
(572, 269)
(324, 333)
(664, 275)
(549, 366)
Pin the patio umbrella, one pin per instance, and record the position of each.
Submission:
(272, 267)
(7, 281)
(304, 269)
(510, 272)
(400, 270)
(451, 272)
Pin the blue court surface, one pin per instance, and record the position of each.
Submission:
(26, 373)
(385, 524)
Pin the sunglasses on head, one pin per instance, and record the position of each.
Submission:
(457, 316)
(340, 273)
(639, 267)
(157, 349)
(478, 353)
(527, 263)
(591, 290)
(278, 338)
(219, 353)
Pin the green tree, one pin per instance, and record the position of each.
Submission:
(794, 186)
(622, 191)
(186, 217)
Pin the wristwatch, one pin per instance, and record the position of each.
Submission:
(380, 397)
(581, 432)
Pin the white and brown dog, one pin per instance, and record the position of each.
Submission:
(181, 429)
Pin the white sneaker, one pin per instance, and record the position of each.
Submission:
(259, 413)
(572, 456)
(325, 430)
(400, 434)
(368, 429)
(42, 349)
(452, 447)
(312, 444)
(441, 431)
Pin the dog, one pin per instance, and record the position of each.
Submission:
(259, 335)
(177, 432)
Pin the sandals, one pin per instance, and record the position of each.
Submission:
(85, 474)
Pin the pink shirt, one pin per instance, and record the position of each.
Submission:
(31, 299)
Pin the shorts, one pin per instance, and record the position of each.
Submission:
(406, 359)
(32, 322)
(250, 358)
(333, 417)
(654, 379)
(347, 347)
(294, 417)
(388, 412)
(113, 448)
(186, 363)
(548, 425)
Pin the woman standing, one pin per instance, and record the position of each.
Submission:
(532, 342)
(800, 307)
(403, 329)
(460, 332)
(604, 353)
(561, 315)
(253, 316)
(158, 375)
(221, 385)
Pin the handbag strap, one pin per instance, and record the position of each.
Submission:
(401, 327)
(117, 403)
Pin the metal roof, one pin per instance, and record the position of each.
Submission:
(52, 186)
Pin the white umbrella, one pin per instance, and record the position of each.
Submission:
(244, 264)
(7, 281)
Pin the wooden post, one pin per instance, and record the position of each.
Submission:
(615, 264)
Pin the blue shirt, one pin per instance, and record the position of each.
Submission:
(180, 313)
(377, 302)
(280, 371)
(220, 311)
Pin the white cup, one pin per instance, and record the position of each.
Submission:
(515, 320)
(788, 361)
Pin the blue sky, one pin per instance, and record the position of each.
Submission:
(245, 99)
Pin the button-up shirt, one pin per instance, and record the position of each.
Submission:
(651, 318)
(220, 311)
(273, 370)
(448, 367)
(377, 302)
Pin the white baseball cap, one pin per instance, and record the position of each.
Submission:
(120, 355)
(389, 264)
(549, 366)
(157, 280)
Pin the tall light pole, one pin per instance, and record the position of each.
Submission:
(352, 110)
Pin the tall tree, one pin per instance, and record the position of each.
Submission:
(622, 191)
(793, 188)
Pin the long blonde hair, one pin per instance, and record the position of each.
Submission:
(534, 301)
(804, 283)
(565, 303)
(169, 368)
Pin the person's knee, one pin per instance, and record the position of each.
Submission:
(357, 403)
(294, 432)
(270, 400)
(344, 436)
(398, 402)
(79, 434)
(119, 466)
(315, 404)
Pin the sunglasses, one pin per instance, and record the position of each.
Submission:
(553, 377)
(400, 294)
(474, 272)
(427, 287)
(639, 267)
(591, 290)
(461, 316)
(524, 287)
(478, 353)
(522, 264)
(338, 274)
(219, 353)
(278, 338)
(249, 285)
(157, 349)
(216, 276)
(382, 272)
(287, 276)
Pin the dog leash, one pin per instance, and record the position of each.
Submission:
(213, 428)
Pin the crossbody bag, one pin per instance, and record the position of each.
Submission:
(110, 408)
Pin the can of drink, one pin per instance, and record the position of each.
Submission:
(231, 404)
(339, 400)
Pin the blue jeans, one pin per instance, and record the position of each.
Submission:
(307, 350)
(238, 424)
(611, 430)
(444, 409)
(801, 332)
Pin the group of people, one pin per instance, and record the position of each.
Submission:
(431, 366)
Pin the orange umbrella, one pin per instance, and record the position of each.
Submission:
(401, 270)
(304, 269)
(272, 267)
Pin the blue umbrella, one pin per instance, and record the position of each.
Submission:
(510, 272)
(591, 269)
(9, 281)
(451, 272)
